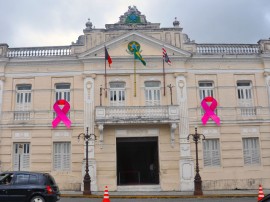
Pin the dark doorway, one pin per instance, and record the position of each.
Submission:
(137, 161)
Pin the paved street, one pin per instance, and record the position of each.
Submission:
(248, 199)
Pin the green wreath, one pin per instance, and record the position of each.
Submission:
(130, 44)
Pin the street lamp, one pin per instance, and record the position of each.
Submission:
(197, 179)
(86, 179)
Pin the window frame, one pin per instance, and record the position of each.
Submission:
(117, 94)
(206, 91)
(24, 156)
(62, 156)
(152, 93)
(23, 97)
(211, 156)
(62, 93)
(251, 158)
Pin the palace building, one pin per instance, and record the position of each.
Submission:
(141, 107)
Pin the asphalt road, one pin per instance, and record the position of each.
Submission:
(247, 199)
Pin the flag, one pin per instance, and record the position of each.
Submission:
(137, 55)
(166, 57)
(107, 57)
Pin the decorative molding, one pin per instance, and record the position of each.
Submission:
(21, 135)
(211, 132)
(250, 131)
(61, 134)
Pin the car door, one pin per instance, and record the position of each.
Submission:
(5, 186)
(19, 188)
(3, 193)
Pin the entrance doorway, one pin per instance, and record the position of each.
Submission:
(137, 161)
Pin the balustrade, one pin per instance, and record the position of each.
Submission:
(126, 114)
(39, 51)
(227, 49)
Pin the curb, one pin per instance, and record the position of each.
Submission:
(159, 196)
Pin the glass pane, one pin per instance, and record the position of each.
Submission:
(62, 86)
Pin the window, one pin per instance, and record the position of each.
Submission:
(206, 89)
(61, 156)
(251, 151)
(244, 90)
(62, 91)
(211, 153)
(21, 156)
(244, 95)
(117, 94)
(23, 97)
(152, 93)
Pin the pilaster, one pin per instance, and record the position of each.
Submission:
(186, 163)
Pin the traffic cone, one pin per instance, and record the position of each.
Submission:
(261, 194)
(106, 197)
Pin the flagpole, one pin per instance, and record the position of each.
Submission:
(135, 78)
(105, 77)
(164, 78)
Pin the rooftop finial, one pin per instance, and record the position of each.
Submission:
(88, 24)
(176, 23)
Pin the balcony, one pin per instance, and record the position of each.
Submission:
(123, 115)
(136, 114)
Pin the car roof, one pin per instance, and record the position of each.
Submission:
(23, 172)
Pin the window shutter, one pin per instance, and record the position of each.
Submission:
(251, 151)
(211, 153)
(62, 156)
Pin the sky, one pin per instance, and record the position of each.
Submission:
(32, 23)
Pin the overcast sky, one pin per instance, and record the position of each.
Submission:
(29, 23)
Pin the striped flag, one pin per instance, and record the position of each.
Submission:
(166, 57)
(107, 57)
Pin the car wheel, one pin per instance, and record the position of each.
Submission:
(37, 199)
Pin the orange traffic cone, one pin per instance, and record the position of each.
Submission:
(106, 195)
(261, 194)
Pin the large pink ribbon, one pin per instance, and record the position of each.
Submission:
(61, 113)
(209, 110)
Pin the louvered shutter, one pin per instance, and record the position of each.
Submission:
(211, 153)
(251, 151)
(62, 156)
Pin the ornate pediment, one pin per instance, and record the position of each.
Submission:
(119, 47)
(133, 19)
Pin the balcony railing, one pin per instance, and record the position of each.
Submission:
(227, 49)
(137, 114)
(39, 51)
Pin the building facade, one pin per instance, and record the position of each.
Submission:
(141, 114)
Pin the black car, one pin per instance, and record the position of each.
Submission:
(28, 187)
(266, 198)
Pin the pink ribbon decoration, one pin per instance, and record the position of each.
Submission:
(61, 113)
(209, 110)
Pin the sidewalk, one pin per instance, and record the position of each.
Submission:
(165, 194)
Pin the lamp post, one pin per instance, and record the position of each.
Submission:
(86, 179)
(197, 179)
